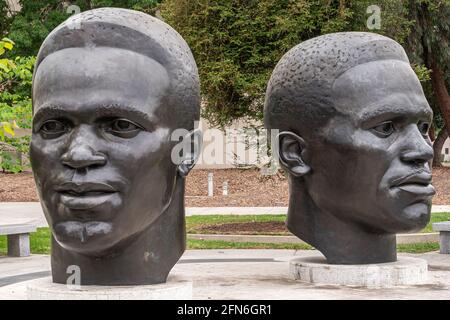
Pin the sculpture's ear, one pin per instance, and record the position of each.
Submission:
(291, 147)
(193, 146)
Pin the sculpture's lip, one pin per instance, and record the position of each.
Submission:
(418, 183)
(85, 201)
(84, 189)
(86, 195)
(417, 177)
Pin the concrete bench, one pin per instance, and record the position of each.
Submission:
(444, 235)
(18, 238)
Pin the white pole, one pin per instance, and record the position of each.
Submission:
(225, 188)
(210, 184)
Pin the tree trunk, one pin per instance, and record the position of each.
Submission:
(432, 132)
(437, 77)
(440, 90)
(437, 147)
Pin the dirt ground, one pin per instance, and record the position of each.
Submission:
(246, 187)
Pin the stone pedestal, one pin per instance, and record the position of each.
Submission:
(174, 289)
(405, 271)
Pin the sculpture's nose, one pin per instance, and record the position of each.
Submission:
(418, 150)
(80, 153)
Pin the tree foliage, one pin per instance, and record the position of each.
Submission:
(15, 103)
(237, 43)
(431, 31)
(29, 27)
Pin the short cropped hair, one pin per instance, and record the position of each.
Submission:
(143, 34)
(299, 95)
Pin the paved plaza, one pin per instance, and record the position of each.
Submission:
(245, 274)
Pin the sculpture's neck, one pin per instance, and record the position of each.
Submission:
(341, 242)
(148, 259)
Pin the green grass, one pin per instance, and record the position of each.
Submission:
(206, 244)
(418, 247)
(195, 223)
(207, 219)
(436, 217)
(40, 244)
(214, 244)
(40, 240)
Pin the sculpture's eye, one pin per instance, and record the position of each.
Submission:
(53, 129)
(423, 127)
(384, 129)
(124, 128)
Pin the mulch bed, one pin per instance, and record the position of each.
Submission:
(441, 181)
(246, 188)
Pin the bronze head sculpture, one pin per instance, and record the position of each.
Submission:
(353, 122)
(109, 89)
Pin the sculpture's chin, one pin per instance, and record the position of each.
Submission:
(89, 238)
(415, 216)
(407, 219)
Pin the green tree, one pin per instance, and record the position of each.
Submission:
(29, 27)
(423, 28)
(15, 104)
(237, 43)
(5, 13)
(429, 43)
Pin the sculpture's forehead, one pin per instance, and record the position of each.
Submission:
(380, 86)
(99, 76)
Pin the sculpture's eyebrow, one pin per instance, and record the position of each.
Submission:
(110, 110)
(385, 113)
(117, 110)
(48, 112)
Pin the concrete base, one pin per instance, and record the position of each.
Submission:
(174, 289)
(405, 271)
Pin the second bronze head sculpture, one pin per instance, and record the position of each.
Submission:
(353, 123)
(110, 87)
